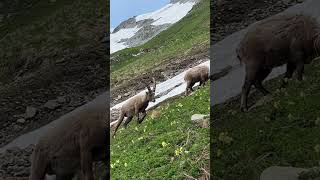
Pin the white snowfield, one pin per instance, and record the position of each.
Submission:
(169, 14)
(115, 38)
(171, 87)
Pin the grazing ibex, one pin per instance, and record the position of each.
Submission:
(135, 106)
(196, 74)
(287, 39)
(72, 145)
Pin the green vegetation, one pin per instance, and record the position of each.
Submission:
(282, 132)
(187, 37)
(46, 29)
(167, 145)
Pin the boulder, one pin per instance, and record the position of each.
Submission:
(201, 119)
(21, 121)
(52, 105)
(30, 112)
(281, 173)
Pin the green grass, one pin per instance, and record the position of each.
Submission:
(148, 151)
(283, 132)
(187, 37)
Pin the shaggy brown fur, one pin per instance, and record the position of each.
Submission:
(285, 39)
(73, 145)
(135, 106)
(194, 75)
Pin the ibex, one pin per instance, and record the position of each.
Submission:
(196, 74)
(72, 145)
(287, 39)
(135, 106)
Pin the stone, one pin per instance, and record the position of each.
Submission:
(17, 128)
(262, 101)
(61, 99)
(155, 114)
(281, 173)
(201, 119)
(30, 112)
(52, 105)
(21, 121)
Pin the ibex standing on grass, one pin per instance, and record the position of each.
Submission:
(196, 74)
(135, 106)
(71, 146)
(287, 39)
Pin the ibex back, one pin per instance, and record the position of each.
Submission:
(286, 39)
(71, 147)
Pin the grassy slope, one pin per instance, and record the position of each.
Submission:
(187, 37)
(137, 152)
(282, 132)
(46, 29)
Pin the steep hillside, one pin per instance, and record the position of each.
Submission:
(49, 50)
(57, 51)
(167, 144)
(280, 132)
(178, 47)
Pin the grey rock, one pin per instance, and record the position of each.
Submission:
(201, 119)
(262, 101)
(281, 173)
(21, 121)
(61, 99)
(17, 128)
(30, 112)
(52, 105)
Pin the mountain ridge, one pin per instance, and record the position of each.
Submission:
(139, 29)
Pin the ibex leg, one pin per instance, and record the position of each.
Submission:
(86, 156)
(144, 113)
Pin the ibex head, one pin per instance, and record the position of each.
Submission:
(151, 91)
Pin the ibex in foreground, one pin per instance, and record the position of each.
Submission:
(135, 106)
(196, 74)
(287, 39)
(73, 144)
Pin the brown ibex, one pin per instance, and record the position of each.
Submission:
(194, 75)
(72, 145)
(285, 39)
(135, 106)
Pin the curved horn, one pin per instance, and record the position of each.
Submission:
(317, 44)
(147, 85)
(153, 85)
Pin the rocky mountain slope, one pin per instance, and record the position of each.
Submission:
(139, 29)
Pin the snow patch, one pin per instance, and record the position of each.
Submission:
(169, 14)
(115, 38)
